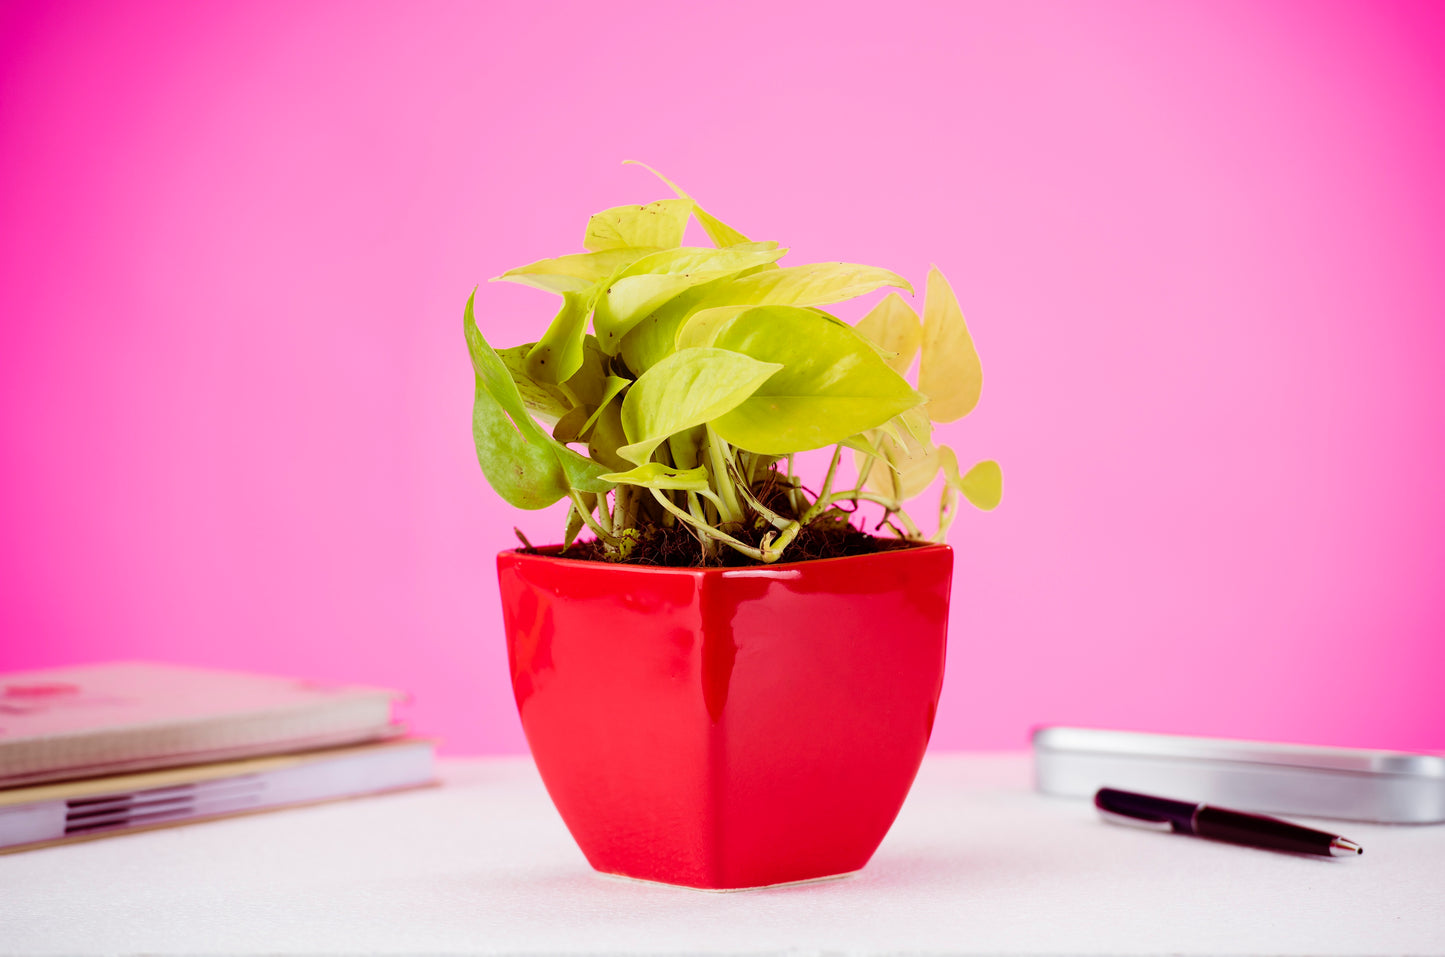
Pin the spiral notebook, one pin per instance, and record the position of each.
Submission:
(103, 719)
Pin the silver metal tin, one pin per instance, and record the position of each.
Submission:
(1352, 784)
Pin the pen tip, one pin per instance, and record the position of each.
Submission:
(1343, 847)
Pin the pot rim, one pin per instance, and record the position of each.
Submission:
(547, 553)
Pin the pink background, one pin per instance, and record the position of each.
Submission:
(1200, 246)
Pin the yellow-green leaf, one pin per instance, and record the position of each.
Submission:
(524, 464)
(657, 475)
(832, 384)
(653, 280)
(814, 284)
(558, 355)
(615, 384)
(575, 520)
(863, 445)
(574, 273)
(703, 326)
(948, 369)
(654, 338)
(569, 428)
(658, 224)
(686, 389)
(912, 458)
(607, 437)
(893, 326)
(982, 485)
(718, 231)
(543, 399)
(590, 380)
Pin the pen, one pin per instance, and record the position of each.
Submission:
(1216, 823)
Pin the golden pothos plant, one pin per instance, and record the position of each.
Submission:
(691, 376)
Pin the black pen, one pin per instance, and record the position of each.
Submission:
(1236, 827)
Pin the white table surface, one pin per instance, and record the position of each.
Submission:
(976, 863)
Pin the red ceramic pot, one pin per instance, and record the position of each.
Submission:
(728, 727)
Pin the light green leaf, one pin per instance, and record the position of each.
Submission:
(863, 448)
(686, 446)
(544, 400)
(569, 428)
(686, 389)
(893, 326)
(702, 327)
(642, 287)
(655, 337)
(948, 369)
(912, 458)
(582, 472)
(982, 485)
(558, 355)
(615, 384)
(658, 224)
(575, 273)
(831, 387)
(861, 444)
(891, 429)
(524, 472)
(718, 231)
(575, 521)
(915, 421)
(525, 465)
(814, 284)
(607, 437)
(588, 382)
(589, 386)
(657, 475)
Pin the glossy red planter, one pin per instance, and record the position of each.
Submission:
(728, 728)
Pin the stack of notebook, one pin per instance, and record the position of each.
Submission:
(104, 749)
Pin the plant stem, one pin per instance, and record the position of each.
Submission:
(709, 547)
(773, 549)
(856, 494)
(604, 511)
(619, 510)
(832, 468)
(913, 530)
(708, 532)
(890, 506)
(795, 498)
(821, 503)
(947, 511)
(586, 514)
(711, 496)
(773, 517)
(748, 467)
(866, 470)
(728, 508)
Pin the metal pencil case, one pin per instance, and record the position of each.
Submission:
(1352, 784)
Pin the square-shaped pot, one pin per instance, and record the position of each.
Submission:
(728, 727)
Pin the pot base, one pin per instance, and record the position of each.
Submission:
(726, 890)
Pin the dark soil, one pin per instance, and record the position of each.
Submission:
(671, 545)
(677, 547)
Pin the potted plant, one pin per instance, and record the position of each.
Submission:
(728, 684)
